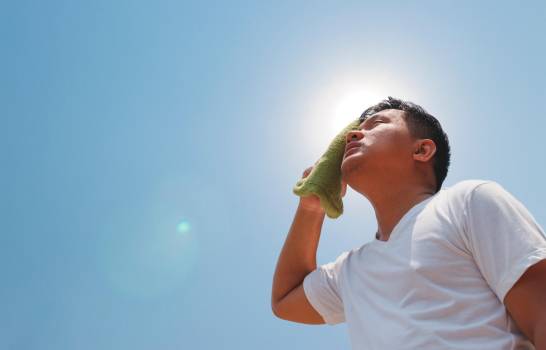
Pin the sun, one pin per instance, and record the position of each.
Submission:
(351, 106)
(333, 109)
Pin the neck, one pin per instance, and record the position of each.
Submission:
(391, 202)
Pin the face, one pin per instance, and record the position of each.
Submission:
(382, 147)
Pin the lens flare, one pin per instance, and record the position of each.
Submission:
(183, 227)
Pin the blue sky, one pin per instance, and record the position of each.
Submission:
(150, 150)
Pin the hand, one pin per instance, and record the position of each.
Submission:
(312, 202)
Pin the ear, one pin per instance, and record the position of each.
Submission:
(424, 150)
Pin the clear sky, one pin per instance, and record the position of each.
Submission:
(149, 150)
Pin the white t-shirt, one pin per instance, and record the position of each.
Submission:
(440, 280)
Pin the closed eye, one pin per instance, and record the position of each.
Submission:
(363, 125)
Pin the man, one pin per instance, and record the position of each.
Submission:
(457, 268)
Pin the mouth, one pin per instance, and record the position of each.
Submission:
(351, 151)
(351, 148)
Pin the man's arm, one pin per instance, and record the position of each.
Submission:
(506, 241)
(297, 260)
(526, 303)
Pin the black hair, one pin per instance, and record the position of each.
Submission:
(421, 125)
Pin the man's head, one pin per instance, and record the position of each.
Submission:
(398, 141)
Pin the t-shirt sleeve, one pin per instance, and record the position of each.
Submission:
(322, 288)
(503, 236)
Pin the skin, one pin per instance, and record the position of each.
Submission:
(390, 168)
(526, 304)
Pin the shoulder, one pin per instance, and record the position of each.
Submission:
(467, 186)
(334, 267)
(342, 261)
(456, 199)
(469, 190)
(479, 199)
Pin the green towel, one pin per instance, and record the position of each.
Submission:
(325, 178)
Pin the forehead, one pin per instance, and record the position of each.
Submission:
(392, 114)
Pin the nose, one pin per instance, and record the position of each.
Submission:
(354, 135)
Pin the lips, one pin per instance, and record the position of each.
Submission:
(351, 151)
(351, 146)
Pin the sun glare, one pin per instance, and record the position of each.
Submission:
(351, 107)
(334, 108)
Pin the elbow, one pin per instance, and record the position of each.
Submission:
(276, 310)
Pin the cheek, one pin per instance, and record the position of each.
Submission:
(387, 144)
(379, 142)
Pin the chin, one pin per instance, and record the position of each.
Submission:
(348, 167)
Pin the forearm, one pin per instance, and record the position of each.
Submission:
(298, 255)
